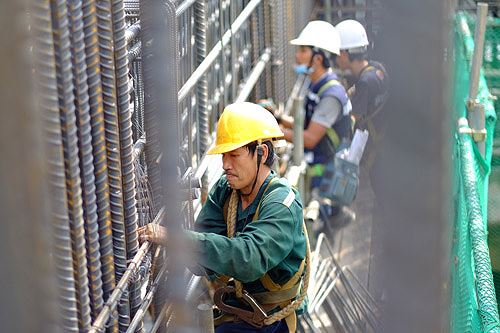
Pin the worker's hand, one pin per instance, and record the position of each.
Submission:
(267, 104)
(153, 233)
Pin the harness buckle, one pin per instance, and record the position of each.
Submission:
(255, 317)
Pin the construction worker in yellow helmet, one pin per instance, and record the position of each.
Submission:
(249, 235)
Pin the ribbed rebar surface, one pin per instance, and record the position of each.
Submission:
(126, 145)
(278, 74)
(267, 43)
(99, 146)
(71, 161)
(46, 83)
(134, 51)
(85, 154)
(106, 48)
(200, 26)
(152, 151)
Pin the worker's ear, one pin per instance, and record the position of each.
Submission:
(264, 151)
(317, 59)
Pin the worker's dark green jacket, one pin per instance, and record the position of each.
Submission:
(273, 244)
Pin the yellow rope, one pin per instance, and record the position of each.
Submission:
(290, 308)
(231, 214)
(231, 227)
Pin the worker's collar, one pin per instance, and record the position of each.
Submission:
(359, 67)
(316, 86)
(252, 208)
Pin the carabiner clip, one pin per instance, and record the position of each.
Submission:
(255, 318)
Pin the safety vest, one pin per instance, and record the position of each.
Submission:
(276, 295)
(326, 147)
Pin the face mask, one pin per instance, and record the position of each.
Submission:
(303, 69)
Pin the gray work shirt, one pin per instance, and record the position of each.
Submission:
(327, 111)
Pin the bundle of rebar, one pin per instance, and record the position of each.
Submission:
(82, 72)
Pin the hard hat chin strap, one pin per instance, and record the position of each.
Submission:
(260, 152)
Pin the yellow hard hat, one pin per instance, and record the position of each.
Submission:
(242, 123)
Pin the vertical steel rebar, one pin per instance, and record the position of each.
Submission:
(71, 159)
(200, 19)
(46, 83)
(125, 135)
(288, 22)
(85, 155)
(99, 147)
(152, 150)
(267, 43)
(136, 127)
(256, 44)
(200, 26)
(140, 98)
(106, 48)
(277, 34)
(234, 64)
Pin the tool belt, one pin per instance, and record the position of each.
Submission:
(259, 303)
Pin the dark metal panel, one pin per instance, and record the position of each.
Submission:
(412, 187)
(22, 175)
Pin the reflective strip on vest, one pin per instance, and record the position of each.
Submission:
(332, 134)
(327, 85)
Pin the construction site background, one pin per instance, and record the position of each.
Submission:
(94, 156)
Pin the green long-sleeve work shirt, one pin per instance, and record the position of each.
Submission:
(274, 243)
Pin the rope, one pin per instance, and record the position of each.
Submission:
(231, 226)
(290, 308)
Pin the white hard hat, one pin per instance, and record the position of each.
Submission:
(352, 35)
(319, 34)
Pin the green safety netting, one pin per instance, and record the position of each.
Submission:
(491, 66)
(473, 303)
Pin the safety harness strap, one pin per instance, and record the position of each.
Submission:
(278, 295)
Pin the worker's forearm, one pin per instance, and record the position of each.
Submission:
(228, 256)
(286, 121)
(288, 134)
(309, 141)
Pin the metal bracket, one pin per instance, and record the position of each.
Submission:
(476, 118)
(477, 135)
